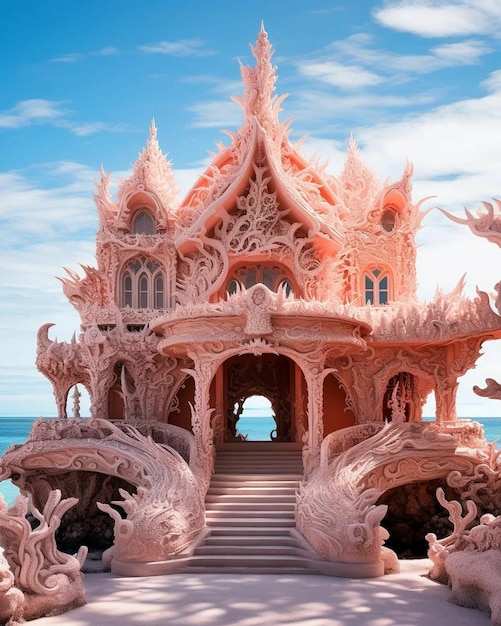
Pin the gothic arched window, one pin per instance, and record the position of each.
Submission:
(143, 223)
(389, 219)
(143, 284)
(376, 286)
(271, 276)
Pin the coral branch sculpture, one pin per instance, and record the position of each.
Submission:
(36, 579)
(469, 560)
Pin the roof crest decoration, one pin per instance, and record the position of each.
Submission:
(359, 183)
(259, 85)
(106, 206)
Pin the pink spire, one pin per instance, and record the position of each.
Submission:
(152, 170)
(360, 185)
(259, 84)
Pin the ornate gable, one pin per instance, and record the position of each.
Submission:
(261, 141)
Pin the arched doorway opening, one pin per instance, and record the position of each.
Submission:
(116, 405)
(257, 420)
(271, 377)
(398, 401)
(337, 413)
(78, 401)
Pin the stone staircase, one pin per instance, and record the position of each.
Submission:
(250, 512)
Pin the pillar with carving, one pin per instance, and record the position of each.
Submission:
(314, 375)
(203, 372)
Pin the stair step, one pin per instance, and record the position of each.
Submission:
(272, 447)
(248, 570)
(254, 515)
(250, 511)
(245, 550)
(250, 560)
(221, 491)
(217, 530)
(264, 478)
(249, 508)
(258, 522)
(249, 540)
(255, 499)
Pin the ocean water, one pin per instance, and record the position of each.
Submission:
(15, 430)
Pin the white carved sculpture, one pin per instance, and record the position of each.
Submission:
(164, 509)
(36, 579)
(469, 560)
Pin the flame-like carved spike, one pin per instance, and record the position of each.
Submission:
(43, 335)
(458, 289)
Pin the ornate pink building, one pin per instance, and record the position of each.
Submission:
(272, 278)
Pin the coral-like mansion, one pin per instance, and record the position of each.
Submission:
(273, 278)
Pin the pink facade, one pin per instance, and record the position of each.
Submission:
(276, 278)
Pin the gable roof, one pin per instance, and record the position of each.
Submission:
(261, 141)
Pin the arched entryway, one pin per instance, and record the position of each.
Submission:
(336, 411)
(272, 378)
(399, 398)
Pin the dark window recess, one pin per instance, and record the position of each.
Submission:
(135, 328)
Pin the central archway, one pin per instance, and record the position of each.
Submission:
(271, 378)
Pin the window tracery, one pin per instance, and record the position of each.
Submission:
(272, 276)
(376, 286)
(143, 223)
(143, 284)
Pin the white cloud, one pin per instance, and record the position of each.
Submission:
(48, 217)
(313, 106)
(180, 48)
(29, 208)
(41, 111)
(73, 57)
(34, 111)
(452, 140)
(339, 74)
(91, 128)
(461, 53)
(215, 84)
(493, 83)
(107, 51)
(216, 114)
(355, 62)
(441, 18)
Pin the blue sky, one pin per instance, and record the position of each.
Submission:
(81, 81)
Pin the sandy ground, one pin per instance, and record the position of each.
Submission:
(405, 599)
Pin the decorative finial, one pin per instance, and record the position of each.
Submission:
(153, 129)
(259, 84)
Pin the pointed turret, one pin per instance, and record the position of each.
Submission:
(152, 175)
(152, 184)
(359, 184)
